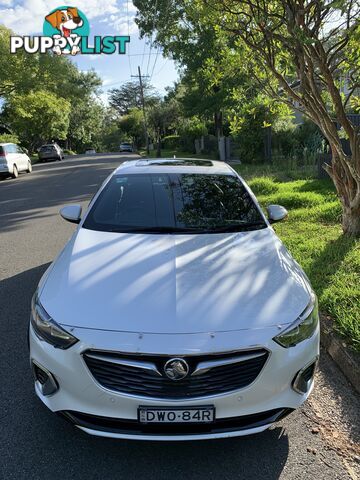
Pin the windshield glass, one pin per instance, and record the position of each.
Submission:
(173, 203)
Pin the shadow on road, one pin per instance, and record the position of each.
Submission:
(43, 445)
(53, 184)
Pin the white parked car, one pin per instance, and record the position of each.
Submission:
(174, 312)
(13, 160)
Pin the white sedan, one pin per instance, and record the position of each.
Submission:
(174, 312)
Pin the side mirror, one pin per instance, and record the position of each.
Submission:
(71, 213)
(276, 213)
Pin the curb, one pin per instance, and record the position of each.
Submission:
(347, 360)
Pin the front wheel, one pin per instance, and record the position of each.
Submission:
(29, 169)
(15, 172)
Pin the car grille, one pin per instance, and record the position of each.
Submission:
(144, 375)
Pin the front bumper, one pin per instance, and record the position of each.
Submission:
(99, 411)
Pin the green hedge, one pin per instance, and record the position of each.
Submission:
(171, 142)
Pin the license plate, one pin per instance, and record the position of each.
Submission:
(204, 414)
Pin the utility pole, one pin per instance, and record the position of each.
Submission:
(140, 77)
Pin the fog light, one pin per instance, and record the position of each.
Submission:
(44, 379)
(302, 381)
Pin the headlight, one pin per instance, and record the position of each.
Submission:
(302, 328)
(47, 329)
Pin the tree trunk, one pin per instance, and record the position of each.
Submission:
(351, 221)
(347, 183)
(158, 151)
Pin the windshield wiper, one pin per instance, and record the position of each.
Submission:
(153, 230)
(238, 227)
(200, 230)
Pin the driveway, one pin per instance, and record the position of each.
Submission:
(316, 442)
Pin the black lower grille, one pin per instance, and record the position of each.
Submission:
(133, 427)
(129, 377)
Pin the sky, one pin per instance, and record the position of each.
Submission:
(106, 17)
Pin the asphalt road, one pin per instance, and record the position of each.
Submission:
(318, 441)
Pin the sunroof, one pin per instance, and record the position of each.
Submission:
(191, 162)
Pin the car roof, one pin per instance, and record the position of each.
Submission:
(178, 165)
(7, 143)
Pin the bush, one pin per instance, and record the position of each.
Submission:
(263, 186)
(171, 142)
(69, 152)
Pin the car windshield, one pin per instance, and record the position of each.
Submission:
(174, 203)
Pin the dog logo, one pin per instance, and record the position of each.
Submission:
(67, 22)
(66, 32)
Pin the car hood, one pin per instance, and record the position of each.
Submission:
(170, 284)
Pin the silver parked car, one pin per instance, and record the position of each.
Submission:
(126, 147)
(50, 151)
(13, 159)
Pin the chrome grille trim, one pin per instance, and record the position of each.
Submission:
(206, 366)
(126, 363)
(235, 370)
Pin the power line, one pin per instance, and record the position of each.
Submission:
(143, 54)
(139, 54)
(151, 39)
(161, 68)
(156, 58)
(128, 25)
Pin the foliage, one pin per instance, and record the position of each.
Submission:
(55, 75)
(161, 117)
(9, 138)
(132, 126)
(193, 128)
(128, 97)
(171, 142)
(85, 125)
(38, 117)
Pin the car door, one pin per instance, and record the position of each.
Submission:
(11, 156)
(22, 158)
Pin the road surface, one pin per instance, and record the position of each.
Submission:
(316, 442)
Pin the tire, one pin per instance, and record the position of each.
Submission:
(15, 172)
(29, 170)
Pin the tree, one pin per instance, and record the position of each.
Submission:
(57, 75)
(132, 126)
(215, 82)
(85, 124)
(128, 96)
(300, 51)
(161, 117)
(38, 117)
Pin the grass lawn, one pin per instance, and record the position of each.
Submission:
(313, 235)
